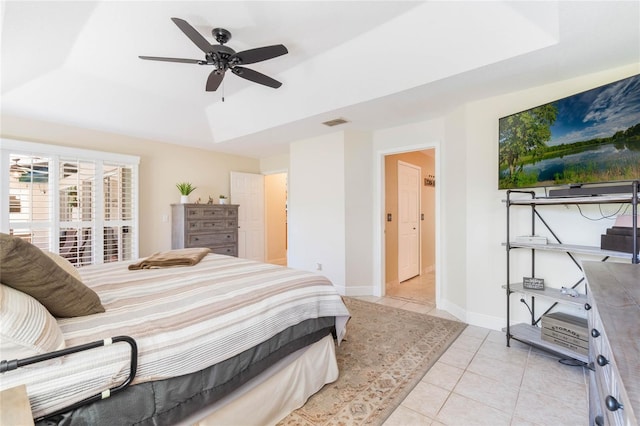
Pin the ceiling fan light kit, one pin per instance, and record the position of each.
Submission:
(224, 58)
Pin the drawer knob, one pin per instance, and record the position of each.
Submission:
(599, 421)
(602, 361)
(197, 239)
(594, 333)
(587, 307)
(612, 403)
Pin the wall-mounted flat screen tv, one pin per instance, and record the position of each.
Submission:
(590, 137)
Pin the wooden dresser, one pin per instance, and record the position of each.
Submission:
(205, 225)
(613, 313)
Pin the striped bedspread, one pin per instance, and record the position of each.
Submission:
(183, 319)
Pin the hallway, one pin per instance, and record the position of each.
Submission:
(420, 289)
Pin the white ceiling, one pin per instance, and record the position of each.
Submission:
(376, 63)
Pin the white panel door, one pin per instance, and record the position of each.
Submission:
(408, 221)
(247, 190)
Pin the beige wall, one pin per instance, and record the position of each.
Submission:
(424, 160)
(161, 167)
(276, 217)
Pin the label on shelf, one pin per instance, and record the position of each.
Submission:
(533, 283)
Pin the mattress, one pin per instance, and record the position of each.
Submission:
(184, 320)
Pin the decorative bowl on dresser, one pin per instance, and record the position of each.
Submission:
(613, 314)
(205, 225)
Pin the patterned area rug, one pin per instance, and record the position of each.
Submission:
(386, 352)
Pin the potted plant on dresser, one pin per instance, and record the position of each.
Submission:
(185, 189)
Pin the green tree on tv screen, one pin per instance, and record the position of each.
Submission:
(523, 138)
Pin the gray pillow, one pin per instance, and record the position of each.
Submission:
(28, 269)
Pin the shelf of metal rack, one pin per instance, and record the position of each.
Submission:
(531, 334)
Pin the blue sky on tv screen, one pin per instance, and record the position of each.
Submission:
(597, 113)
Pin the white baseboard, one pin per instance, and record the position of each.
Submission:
(355, 290)
(486, 321)
(453, 309)
(473, 318)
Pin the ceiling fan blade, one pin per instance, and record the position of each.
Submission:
(256, 77)
(214, 80)
(184, 61)
(252, 56)
(193, 35)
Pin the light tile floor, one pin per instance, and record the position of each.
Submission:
(480, 381)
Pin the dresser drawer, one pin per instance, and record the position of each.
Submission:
(208, 212)
(211, 225)
(228, 250)
(211, 239)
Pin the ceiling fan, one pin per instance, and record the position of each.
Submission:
(25, 168)
(224, 58)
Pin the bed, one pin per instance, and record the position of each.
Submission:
(214, 340)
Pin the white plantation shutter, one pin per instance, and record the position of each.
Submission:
(77, 218)
(118, 189)
(78, 203)
(30, 210)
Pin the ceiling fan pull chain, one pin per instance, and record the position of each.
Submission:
(223, 91)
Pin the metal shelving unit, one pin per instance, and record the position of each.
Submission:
(531, 333)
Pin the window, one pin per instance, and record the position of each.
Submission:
(81, 204)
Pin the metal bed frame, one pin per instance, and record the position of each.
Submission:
(9, 365)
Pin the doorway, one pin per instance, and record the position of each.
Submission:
(275, 187)
(262, 216)
(406, 277)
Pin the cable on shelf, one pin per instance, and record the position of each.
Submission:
(605, 216)
(572, 362)
(527, 305)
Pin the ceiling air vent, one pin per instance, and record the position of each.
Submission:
(335, 122)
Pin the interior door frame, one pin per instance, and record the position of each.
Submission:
(380, 218)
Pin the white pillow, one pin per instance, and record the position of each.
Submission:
(26, 327)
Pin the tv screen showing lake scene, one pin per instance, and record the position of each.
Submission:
(590, 137)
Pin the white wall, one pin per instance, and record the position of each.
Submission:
(330, 198)
(471, 215)
(358, 173)
(486, 213)
(316, 214)
(276, 164)
(331, 194)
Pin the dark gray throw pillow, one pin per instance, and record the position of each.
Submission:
(28, 269)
